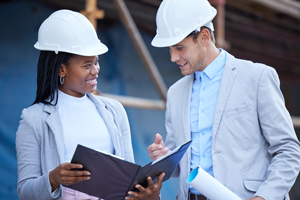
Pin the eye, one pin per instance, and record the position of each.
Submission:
(179, 48)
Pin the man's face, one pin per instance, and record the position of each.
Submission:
(189, 55)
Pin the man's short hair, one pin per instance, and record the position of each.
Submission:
(196, 33)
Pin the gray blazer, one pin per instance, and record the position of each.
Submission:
(40, 144)
(254, 147)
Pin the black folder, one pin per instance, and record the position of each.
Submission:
(112, 177)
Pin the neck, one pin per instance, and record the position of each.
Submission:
(212, 52)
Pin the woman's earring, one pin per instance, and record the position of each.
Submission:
(61, 79)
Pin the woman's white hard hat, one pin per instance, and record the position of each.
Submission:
(176, 19)
(71, 32)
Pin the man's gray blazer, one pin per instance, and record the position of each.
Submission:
(40, 144)
(254, 147)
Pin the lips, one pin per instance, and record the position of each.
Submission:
(182, 65)
(92, 81)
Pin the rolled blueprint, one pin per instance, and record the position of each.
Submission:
(209, 186)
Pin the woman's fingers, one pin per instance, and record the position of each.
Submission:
(160, 179)
(66, 174)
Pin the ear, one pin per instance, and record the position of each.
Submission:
(204, 37)
(62, 70)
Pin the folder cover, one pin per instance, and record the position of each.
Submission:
(112, 177)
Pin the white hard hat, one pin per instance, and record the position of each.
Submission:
(71, 32)
(176, 19)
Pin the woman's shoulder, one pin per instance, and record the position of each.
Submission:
(35, 111)
(107, 100)
(35, 108)
(110, 103)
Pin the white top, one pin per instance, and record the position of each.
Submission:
(82, 124)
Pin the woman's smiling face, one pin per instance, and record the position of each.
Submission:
(80, 75)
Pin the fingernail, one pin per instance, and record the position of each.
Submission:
(88, 173)
(88, 177)
(160, 146)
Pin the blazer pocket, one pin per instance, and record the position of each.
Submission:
(252, 185)
(238, 109)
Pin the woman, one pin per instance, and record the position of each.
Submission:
(65, 114)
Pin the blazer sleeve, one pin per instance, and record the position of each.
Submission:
(277, 128)
(32, 184)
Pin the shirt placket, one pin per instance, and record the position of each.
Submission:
(201, 115)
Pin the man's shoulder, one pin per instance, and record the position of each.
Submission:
(181, 83)
(247, 65)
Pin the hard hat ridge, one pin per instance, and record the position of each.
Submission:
(175, 19)
(71, 32)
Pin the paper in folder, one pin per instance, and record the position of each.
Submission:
(112, 177)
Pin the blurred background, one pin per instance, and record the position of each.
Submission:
(134, 72)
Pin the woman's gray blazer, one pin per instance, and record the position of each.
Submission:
(40, 144)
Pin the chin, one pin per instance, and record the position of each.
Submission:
(91, 89)
(185, 73)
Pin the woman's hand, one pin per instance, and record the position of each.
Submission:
(63, 175)
(149, 193)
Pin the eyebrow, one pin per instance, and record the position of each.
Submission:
(176, 45)
(89, 61)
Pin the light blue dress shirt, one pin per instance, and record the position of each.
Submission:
(203, 102)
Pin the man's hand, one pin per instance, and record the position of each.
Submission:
(149, 193)
(256, 198)
(157, 149)
(63, 175)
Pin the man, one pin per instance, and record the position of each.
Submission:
(232, 109)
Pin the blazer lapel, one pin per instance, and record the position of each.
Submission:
(227, 81)
(54, 123)
(186, 101)
(110, 124)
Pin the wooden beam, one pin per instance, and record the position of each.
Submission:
(282, 6)
(92, 12)
(135, 102)
(141, 48)
(155, 3)
(220, 26)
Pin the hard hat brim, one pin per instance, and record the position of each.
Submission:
(98, 49)
(166, 42)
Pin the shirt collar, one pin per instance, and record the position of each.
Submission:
(214, 67)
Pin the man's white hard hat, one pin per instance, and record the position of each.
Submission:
(176, 19)
(71, 32)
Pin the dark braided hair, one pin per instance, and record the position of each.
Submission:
(47, 75)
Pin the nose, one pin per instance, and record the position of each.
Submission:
(174, 56)
(95, 68)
